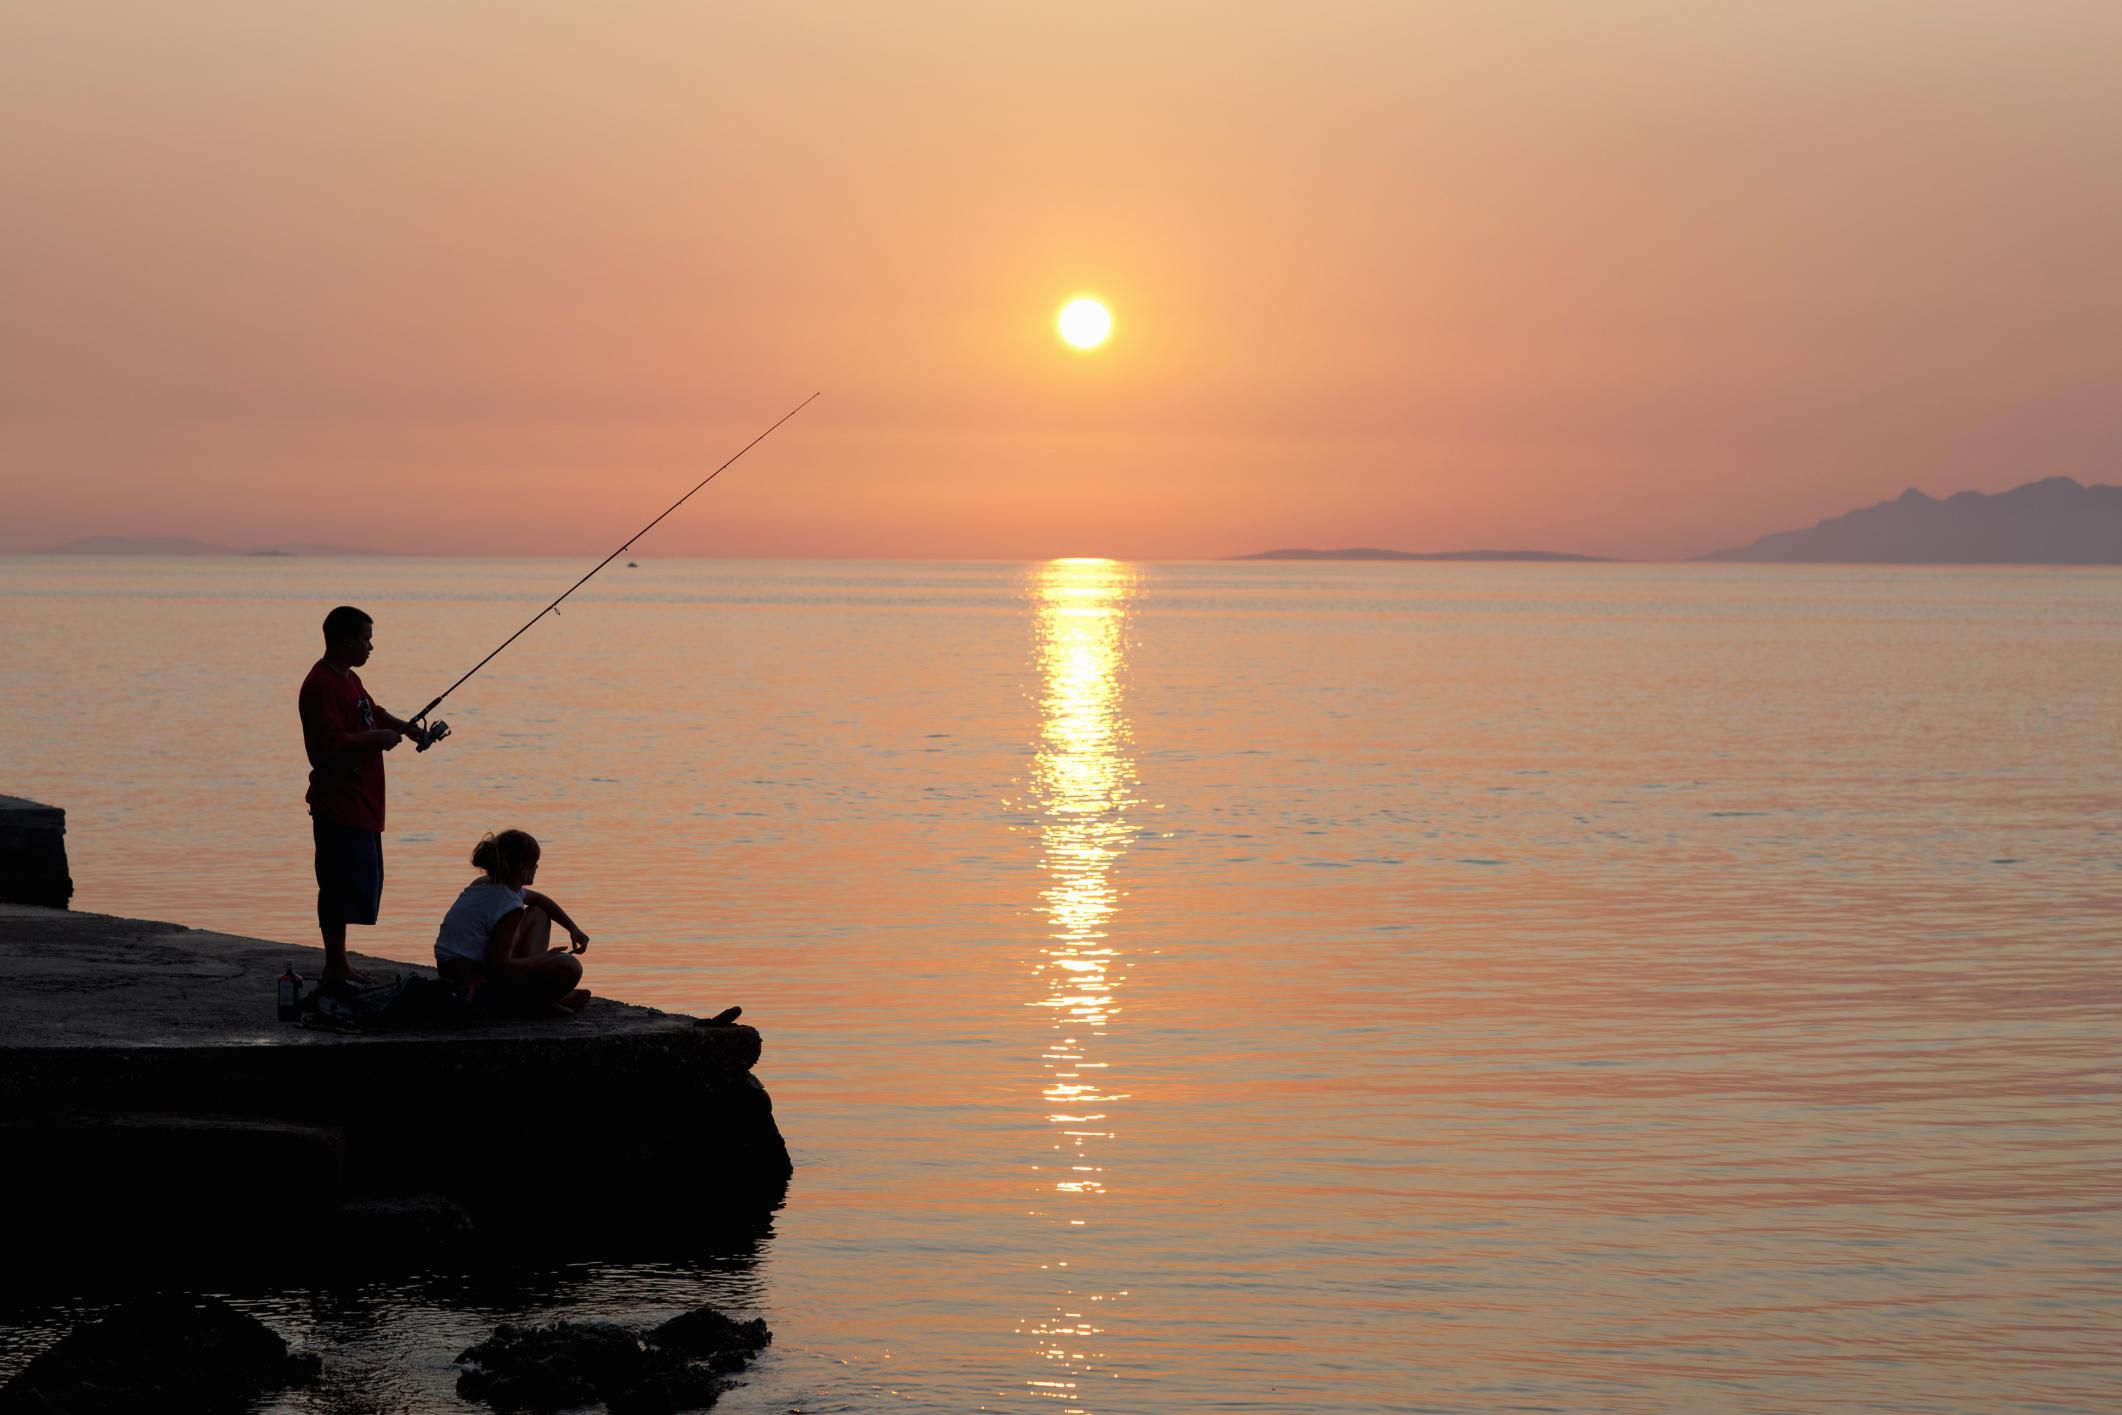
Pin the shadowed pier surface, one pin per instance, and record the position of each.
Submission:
(92, 980)
(137, 1055)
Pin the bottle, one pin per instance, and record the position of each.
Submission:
(290, 993)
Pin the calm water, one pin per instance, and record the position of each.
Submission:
(1242, 987)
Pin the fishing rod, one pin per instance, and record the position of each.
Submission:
(426, 736)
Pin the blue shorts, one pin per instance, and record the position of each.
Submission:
(349, 872)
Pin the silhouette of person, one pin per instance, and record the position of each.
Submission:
(496, 940)
(345, 734)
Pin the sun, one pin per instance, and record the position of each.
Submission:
(1084, 322)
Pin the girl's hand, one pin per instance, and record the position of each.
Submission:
(579, 939)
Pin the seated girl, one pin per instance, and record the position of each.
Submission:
(496, 940)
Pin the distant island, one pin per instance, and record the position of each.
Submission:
(185, 545)
(1369, 553)
(2056, 521)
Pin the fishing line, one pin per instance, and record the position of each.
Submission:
(428, 736)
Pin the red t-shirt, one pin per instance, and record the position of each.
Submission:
(347, 789)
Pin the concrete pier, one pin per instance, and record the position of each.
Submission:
(148, 1094)
(33, 854)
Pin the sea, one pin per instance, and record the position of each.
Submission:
(1231, 986)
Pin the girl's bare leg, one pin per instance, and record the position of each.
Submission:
(552, 973)
(534, 936)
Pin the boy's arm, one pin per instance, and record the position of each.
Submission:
(348, 742)
(343, 742)
(395, 724)
(406, 729)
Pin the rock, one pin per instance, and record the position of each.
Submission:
(569, 1364)
(705, 1334)
(667, 1391)
(602, 1355)
(554, 1387)
(158, 1353)
(553, 1367)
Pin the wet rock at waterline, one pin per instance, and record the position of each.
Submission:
(158, 1353)
(669, 1389)
(705, 1334)
(677, 1366)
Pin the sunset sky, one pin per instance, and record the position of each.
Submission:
(1624, 278)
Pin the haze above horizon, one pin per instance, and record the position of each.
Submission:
(1629, 280)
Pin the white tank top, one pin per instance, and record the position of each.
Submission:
(468, 928)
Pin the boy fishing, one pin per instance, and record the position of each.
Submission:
(346, 734)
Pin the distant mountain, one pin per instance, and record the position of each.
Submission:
(185, 545)
(141, 545)
(307, 547)
(1367, 553)
(2053, 522)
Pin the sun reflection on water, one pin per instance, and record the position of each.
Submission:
(1083, 782)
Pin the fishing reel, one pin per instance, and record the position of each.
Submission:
(426, 734)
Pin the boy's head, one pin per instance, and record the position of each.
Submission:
(347, 632)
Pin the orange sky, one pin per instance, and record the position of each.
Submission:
(1623, 278)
